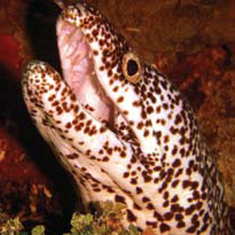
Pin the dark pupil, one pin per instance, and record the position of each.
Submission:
(132, 67)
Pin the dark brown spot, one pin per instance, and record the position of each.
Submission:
(196, 195)
(191, 229)
(165, 204)
(168, 215)
(157, 216)
(145, 199)
(72, 156)
(146, 133)
(152, 224)
(204, 227)
(157, 168)
(164, 227)
(190, 210)
(143, 114)
(174, 150)
(120, 99)
(179, 172)
(136, 206)
(111, 81)
(140, 125)
(176, 163)
(166, 195)
(68, 125)
(166, 139)
(103, 129)
(176, 208)
(139, 190)
(123, 154)
(136, 103)
(182, 152)
(81, 116)
(199, 205)
(105, 159)
(130, 216)
(186, 184)
(150, 109)
(95, 52)
(174, 199)
(150, 206)
(133, 181)
(173, 130)
(194, 185)
(120, 199)
(115, 89)
(181, 224)
(165, 106)
(179, 217)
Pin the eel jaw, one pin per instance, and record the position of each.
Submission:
(79, 73)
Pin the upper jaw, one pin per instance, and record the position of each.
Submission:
(80, 72)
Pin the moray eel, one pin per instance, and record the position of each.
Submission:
(123, 131)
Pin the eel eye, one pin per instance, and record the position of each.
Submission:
(131, 67)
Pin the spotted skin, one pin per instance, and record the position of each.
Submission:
(150, 158)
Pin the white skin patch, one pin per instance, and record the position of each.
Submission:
(126, 136)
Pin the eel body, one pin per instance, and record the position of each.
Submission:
(123, 131)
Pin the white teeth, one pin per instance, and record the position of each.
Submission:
(66, 68)
(81, 55)
(76, 74)
(81, 66)
(70, 50)
(76, 62)
(63, 36)
(68, 29)
(82, 50)
(73, 43)
(78, 68)
(62, 43)
(77, 36)
(60, 39)
(90, 55)
(66, 63)
(75, 82)
(64, 50)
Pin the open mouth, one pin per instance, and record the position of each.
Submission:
(79, 72)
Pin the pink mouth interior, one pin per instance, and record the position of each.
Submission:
(78, 70)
